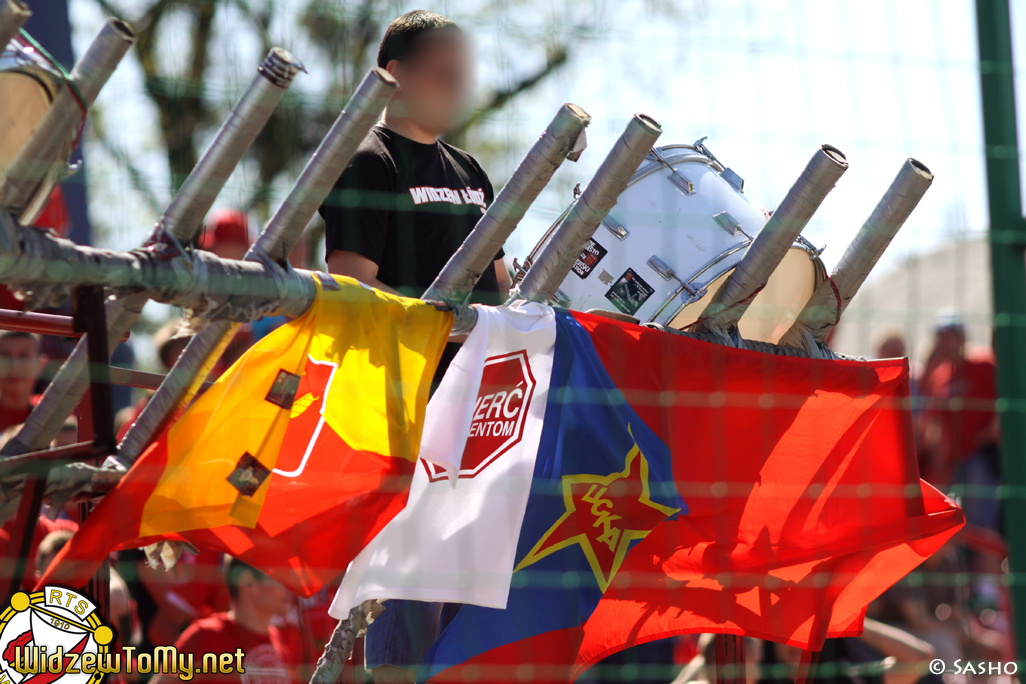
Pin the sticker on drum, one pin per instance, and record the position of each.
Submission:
(589, 258)
(629, 292)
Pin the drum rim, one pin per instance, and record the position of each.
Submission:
(819, 269)
(646, 170)
(722, 256)
(654, 165)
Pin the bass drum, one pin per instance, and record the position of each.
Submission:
(29, 81)
(776, 307)
(677, 231)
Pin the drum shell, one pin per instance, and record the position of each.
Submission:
(677, 248)
(28, 85)
(654, 217)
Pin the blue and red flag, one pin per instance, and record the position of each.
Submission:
(671, 486)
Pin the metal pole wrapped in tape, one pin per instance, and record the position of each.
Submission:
(730, 302)
(178, 225)
(248, 117)
(558, 255)
(42, 160)
(276, 241)
(831, 298)
(477, 253)
(201, 281)
(340, 645)
(13, 15)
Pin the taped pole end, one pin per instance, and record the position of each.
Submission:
(385, 76)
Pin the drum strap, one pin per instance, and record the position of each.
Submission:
(837, 296)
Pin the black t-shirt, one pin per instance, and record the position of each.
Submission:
(408, 206)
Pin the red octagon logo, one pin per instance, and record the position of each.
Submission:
(507, 386)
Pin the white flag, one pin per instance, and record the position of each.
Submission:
(483, 425)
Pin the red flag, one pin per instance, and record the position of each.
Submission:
(766, 494)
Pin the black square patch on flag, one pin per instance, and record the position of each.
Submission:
(283, 389)
(248, 475)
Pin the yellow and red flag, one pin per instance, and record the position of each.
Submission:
(297, 455)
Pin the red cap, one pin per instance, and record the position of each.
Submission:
(226, 226)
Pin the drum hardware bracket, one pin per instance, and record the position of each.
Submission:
(616, 228)
(682, 182)
(728, 174)
(730, 224)
(561, 299)
(519, 271)
(814, 252)
(661, 267)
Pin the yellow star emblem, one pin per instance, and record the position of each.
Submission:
(604, 514)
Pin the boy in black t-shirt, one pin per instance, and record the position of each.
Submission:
(407, 200)
(400, 209)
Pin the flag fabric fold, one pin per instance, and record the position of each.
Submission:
(295, 457)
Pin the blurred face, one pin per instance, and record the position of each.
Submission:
(20, 366)
(892, 348)
(949, 343)
(434, 81)
(264, 595)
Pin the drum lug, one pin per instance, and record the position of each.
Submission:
(731, 177)
(682, 182)
(562, 300)
(661, 267)
(727, 174)
(615, 228)
(729, 224)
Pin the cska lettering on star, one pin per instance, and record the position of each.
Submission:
(581, 490)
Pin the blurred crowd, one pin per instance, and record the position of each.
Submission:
(954, 607)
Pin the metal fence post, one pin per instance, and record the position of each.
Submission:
(1008, 266)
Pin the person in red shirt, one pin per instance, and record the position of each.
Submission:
(960, 389)
(44, 527)
(269, 657)
(21, 363)
(961, 434)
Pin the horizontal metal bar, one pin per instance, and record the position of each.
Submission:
(46, 267)
(41, 324)
(41, 461)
